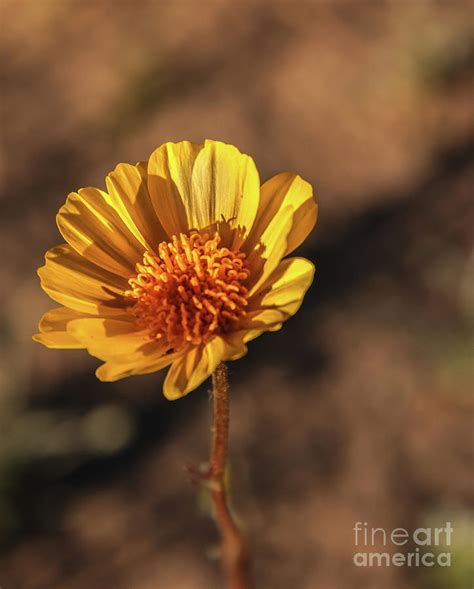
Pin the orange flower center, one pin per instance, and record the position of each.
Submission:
(193, 289)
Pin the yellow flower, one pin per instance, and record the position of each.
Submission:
(180, 263)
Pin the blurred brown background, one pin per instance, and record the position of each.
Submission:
(360, 409)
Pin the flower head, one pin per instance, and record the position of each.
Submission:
(180, 263)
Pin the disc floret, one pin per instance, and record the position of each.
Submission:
(190, 290)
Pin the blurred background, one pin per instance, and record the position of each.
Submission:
(360, 409)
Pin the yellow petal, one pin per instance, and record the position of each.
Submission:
(192, 368)
(109, 338)
(53, 328)
(286, 215)
(128, 191)
(90, 222)
(226, 188)
(209, 187)
(169, 173)
(286, 287)
(265, 257)
(121, 368)
(276, 194)
(73, 281)
(125, 350)
(258, 322)
(235, 346)
(279, 298)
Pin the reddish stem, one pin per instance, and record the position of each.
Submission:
(235, 558)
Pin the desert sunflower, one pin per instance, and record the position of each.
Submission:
(179, 263)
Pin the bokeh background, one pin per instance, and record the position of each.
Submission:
(360, 409)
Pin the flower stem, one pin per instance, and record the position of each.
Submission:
(234, 551)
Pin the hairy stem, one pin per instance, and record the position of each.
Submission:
(234, 551)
